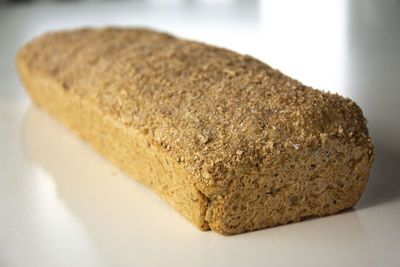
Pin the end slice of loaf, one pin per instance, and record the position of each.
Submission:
(230, 143)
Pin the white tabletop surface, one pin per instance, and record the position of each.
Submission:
(61, 204)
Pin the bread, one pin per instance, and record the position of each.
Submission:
(229, 142)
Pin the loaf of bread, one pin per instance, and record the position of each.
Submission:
(229, 142)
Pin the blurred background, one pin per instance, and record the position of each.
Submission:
(57, 195)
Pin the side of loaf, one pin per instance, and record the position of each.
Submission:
(230, 143)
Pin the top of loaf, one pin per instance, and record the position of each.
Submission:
(212, 109)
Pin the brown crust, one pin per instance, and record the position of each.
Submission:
(220, 116)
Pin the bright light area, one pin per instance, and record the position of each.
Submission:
(307, 44)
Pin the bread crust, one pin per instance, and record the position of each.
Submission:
(230, 143)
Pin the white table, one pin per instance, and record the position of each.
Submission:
(61, 204)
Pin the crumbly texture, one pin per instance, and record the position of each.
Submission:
(231, 143)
